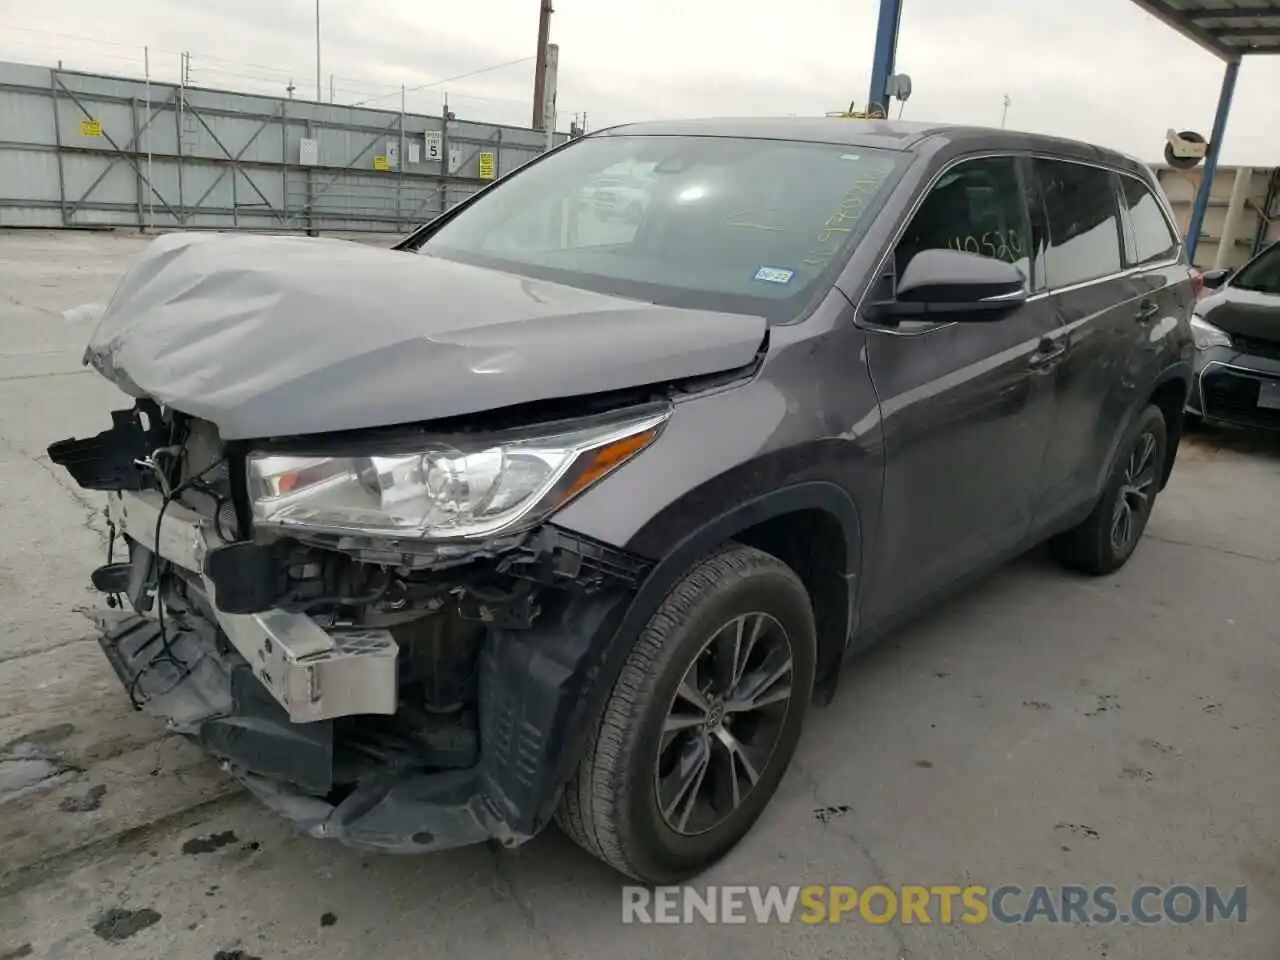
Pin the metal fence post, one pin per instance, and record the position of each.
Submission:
(133, 110)
(284, 161)
(401, 160)
(310, 186)
(445, 172)
(57, 140)
(178, 117)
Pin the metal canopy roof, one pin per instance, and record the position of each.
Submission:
(1229, 28)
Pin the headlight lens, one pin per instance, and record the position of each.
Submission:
(442, 491)
(1207, 335)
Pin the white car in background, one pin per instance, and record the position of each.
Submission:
(618, 197)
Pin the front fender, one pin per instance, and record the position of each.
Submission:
(543, 690)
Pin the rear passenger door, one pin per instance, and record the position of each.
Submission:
(1076, 225)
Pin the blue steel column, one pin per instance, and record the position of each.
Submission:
(1211, 157)
(886, 47)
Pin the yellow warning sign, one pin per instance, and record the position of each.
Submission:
(90, 128)
(488, 166)
(381, 163)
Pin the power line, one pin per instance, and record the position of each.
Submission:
(215, 66)
(436, 83)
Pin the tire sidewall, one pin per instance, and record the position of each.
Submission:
(666, 853)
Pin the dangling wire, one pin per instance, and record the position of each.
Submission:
(113, 599)
(169, 494)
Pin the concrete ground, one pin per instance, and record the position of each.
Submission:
(1042, 729)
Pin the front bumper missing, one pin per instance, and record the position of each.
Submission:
(306, 717)
(289, 766)
(314, 674)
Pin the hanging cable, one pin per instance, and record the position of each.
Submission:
(437, 83)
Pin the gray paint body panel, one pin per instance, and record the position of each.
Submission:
(275, 336)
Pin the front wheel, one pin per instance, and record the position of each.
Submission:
(702, 722)
(1107, 537)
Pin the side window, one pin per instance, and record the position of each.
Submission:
(1083, 224)
(977, 206)
(1153, 239)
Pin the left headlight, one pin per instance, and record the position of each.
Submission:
(1206, 335)
(442, 490)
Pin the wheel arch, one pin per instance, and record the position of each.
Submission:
(1170, 395)
(1169, 392)
(812, 526)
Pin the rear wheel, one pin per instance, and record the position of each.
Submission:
(1107, 537)
(701, 723)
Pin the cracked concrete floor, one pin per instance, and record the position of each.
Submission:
(1041, 729)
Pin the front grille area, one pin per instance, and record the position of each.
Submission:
(1257, 347)
(1234, 397)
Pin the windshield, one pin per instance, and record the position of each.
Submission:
(1262, 275)
(715, 223)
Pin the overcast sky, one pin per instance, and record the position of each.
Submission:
(1105, 71)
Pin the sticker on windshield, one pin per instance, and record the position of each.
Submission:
(774, 275)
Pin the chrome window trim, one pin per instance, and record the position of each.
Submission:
(1033, 297)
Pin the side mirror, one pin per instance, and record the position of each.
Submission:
(1215, 278)
(953, 286)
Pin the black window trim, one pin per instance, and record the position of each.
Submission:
(1169, 224)
(1128, 236)
(1024, 156)
(1171, 261)
(875, 276)
(1116, 205)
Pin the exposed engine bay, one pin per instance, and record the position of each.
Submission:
(349, 681)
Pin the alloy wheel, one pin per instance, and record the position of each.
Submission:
(723, 723)
(1136, 490)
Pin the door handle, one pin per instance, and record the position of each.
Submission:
(1048, 353)
(1147, 310)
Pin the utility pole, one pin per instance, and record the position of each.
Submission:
(318, 98)
(540, 65)
(1004, 114)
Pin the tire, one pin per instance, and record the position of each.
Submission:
(1092, 548)
(611, 807)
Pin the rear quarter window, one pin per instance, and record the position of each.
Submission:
(1152, 237)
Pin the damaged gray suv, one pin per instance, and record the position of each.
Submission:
(546, 515)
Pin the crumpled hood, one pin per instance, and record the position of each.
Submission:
(273, 336)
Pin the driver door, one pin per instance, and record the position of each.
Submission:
(966, 406)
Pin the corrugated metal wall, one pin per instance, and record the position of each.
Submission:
(81, 150)
(1258, 222)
